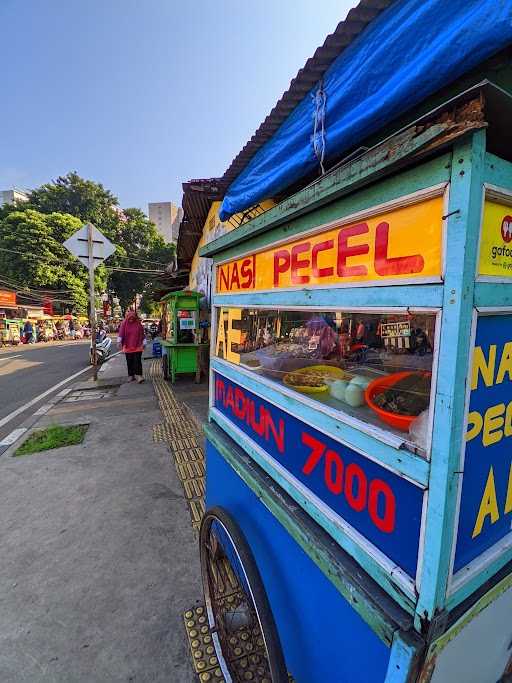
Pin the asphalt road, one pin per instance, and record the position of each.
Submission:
(28, 371)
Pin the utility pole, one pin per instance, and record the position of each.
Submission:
(92, 303)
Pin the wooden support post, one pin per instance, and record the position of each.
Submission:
(462, 229)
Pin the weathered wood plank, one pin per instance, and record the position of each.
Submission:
(453, 370)
(492, 294)
(404, 296)
(497, 172)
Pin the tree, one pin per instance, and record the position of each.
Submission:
(85, 199)
(139, 247)
(32, 255)
(138, 244)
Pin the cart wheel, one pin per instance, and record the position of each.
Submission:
(165, 367)
(239, 615)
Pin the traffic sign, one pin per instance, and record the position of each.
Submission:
(77, 244)
(90, 247)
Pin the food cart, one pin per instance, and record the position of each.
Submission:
(359, 473)
(181, 348)
(9, 332)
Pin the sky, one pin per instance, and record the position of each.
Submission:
(142, 95)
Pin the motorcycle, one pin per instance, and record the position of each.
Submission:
(103, 347)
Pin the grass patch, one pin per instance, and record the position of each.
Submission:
(54, 436)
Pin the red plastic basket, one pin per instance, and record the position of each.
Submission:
(401, 422)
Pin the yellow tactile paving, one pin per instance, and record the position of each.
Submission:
(181, 434)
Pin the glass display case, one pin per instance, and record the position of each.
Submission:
(375, 368)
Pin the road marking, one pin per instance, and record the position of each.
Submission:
(13, 436)
(35, 400)
(44, 409)
(10, 357)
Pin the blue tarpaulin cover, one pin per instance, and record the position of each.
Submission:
(407, 53)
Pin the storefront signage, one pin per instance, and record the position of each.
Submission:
(382, 506)
(391, 330)
(485, 516)
(400, 244)
(7, 299)
(496, 240)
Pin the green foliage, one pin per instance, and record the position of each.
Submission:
(33, 256)
(54, 436)
(85, 199)
(56, 210)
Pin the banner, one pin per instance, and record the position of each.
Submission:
(7, 299)
(496, 240)
(486, 500)
(382, 506)
(400, 244)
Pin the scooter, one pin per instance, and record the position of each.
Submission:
(103, 347)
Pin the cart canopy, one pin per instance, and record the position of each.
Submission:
(411, 50)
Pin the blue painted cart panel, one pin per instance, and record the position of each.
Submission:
(486, 501)
(384, 508)
(324, 640)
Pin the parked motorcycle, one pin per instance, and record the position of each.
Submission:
(103, 347)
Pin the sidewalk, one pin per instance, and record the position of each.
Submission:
(99, 559)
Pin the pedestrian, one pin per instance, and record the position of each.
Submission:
(72, 329)
(131, 340)
(28, 331)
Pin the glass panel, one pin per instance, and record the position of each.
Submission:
(186, 331)
(375, 367)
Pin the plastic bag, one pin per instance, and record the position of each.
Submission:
(418, 431)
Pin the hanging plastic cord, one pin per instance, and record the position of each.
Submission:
(318, 138)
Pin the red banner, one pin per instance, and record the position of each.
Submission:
(48, 306)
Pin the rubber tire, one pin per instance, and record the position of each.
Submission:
(276, 661)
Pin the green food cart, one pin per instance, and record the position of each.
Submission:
(181, 334)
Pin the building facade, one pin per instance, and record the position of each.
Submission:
(167, 217)
(11, 196)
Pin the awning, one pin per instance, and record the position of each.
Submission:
(408, 52)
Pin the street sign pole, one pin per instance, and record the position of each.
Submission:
(92, 303)
(99, 248)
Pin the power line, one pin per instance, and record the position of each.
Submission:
(27, 292)
(51, 256)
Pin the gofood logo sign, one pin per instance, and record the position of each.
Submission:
(495, 241)
(506, 229)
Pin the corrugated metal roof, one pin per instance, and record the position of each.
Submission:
(356, 21)
(198, 196)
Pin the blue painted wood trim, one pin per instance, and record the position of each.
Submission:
(497, 172)
(417, 296)
(403, 660)
(474, 584)
(403, 462)
(362, 557)
(493, 294)
(453, 368)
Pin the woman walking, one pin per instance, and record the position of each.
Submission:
(131, 340)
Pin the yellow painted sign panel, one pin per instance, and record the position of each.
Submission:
(496, 240)
(400, 244)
